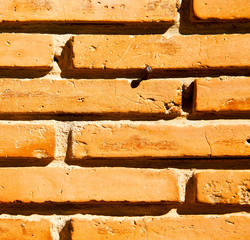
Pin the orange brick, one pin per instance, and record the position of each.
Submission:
(223, 187)
(133, 53)
(161, 228)
(89, 97)
(87, 184)
(29, 51)
(221, 10)
(222, 95)
(87, 11)
(19, 229)
(27, 140)
(161, 139)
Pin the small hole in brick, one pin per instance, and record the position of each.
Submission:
(248, 141)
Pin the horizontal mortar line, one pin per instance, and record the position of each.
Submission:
(118, 209)
(197, 117)
(15, 117)
(158, 74)
(153, 163)
(208, 158)
(142, 118)
(133, 28)
(163, 162)
(94, 74)
(165, 158)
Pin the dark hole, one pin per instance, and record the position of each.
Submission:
(55, 59)
(248, 141)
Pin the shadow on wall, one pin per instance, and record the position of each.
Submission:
(86, 28)
(188, 25)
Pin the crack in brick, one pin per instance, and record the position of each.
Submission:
(210, 148)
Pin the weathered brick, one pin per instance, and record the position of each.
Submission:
(19, 229)
(87, 184)
(161, 228)
(27, 140)
(87, 11)
(29, 51)
(221, 10)
(134, 53)
(229, 94)
(161, 139)
(90, 97)
(223, 187)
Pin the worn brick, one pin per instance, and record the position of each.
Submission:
(28, 51)
(89, 97)
(230, 94)
(161, 139)
(87, 184)
(133, 53)
(20, 229)
(223, 187)
(87, 11)
(161, 228)
(221, 10)
(27, 140)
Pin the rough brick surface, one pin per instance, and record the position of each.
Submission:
(229, 94)
(223, 187)
(221, 10)
(27, 140)
(161, 228)
(87, 184)
(122, 108)
(161, 139)
(89, 97)
(26, 51)
(87, 11)
(105, 52)
(19, 229)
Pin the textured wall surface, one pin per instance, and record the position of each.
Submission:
(124, 119)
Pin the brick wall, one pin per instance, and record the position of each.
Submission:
(124, 119)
